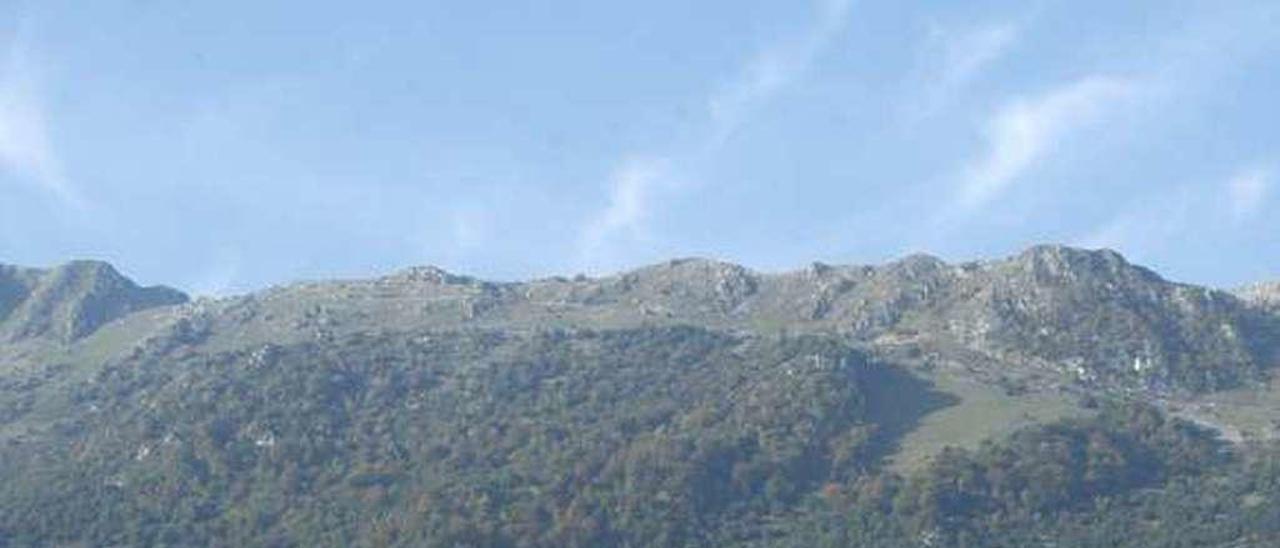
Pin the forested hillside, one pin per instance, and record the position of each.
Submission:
(692, 403)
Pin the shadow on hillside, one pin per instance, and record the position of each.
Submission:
(897, 402)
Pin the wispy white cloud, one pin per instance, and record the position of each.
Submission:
(636, 185)
(1248, 191)
(26, 149)
(970, 52)
(954, 58)
(1025, 130)
(1162, 73)
(631, 192)
(773, 69)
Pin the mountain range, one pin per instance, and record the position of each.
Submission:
(693, 402)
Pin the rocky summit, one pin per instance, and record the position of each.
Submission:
(1060, 393)
(71, 301)
(1052, 315)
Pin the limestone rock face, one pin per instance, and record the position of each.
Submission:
(1056, 311)
(1088, 314)
(1093, 310)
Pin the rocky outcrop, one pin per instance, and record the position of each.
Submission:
(1097, 317)
(1262, 295)
(1063, 314)
(1084, 315)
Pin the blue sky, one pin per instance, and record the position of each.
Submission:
(226, 146)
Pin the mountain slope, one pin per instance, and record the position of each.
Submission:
(1052, 316)
(688, 403)
(70, 301)
(646, 437)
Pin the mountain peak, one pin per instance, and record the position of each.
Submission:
(71, 300)
(916, 266)
(1068, 255)
(91, 267)
(1055, 261)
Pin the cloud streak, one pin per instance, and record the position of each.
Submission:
(773, 69)
(26, 149)
(954, 60)
(631, 192)
(634, 187)
(971, 52)
(1248, 191)
(1024, 131)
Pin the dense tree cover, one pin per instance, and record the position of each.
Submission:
(667, 436)
(1130, 477)
(671, 436)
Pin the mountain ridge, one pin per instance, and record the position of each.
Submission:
(71, 300)
(683, 403)
(1040, 299)
(1061, 315)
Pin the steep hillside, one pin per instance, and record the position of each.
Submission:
(1099, 320)
(666, 436)
(71, 301)
(688, 403)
